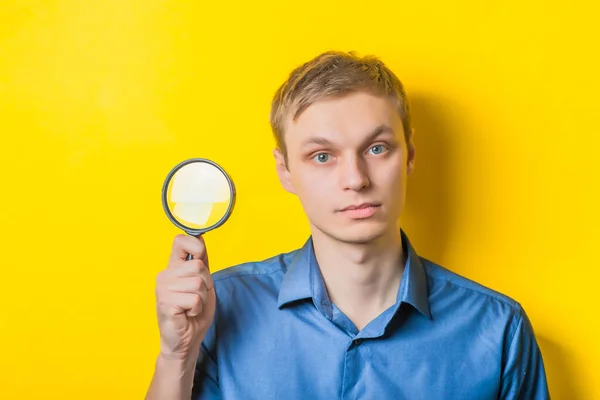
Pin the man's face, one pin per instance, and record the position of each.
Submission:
(348, 152)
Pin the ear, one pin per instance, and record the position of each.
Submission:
(410, 147)
(282, 171)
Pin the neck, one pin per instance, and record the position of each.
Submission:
(362, 280)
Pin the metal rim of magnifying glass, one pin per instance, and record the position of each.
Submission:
(190, 231)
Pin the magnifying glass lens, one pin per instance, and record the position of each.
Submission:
(198, 196)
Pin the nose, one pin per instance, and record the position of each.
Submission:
(354, 174)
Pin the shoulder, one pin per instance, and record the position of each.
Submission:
(257, 269)
(451, 284)
(252, 280)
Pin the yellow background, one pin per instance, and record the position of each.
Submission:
(100, 99)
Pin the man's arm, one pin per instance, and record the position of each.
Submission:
(185, 307)
(194, 379)
(523, 376)
(173, 379)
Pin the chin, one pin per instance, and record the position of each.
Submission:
(359, 233)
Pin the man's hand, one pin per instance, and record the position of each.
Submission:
(185, 305)
(185, 299)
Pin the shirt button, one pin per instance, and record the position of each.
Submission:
(358, 342)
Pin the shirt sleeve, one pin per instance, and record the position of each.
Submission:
(206, 380)
(523, 376)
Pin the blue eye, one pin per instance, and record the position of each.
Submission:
(377, 149)
(321, 157)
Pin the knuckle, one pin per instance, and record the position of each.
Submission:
(198, 265)
(197, 283)
(178, 240)
(197, 300)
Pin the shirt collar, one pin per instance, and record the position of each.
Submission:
(296, 281)
(413, 288)
(303, 280)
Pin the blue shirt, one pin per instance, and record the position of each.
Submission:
(276, 335)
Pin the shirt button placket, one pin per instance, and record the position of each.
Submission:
(351, 369)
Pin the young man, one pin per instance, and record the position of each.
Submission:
(355, 313)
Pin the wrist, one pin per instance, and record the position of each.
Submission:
(173, 378)
(177, 361)
(181, 353)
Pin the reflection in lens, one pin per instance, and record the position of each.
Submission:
(198, 195)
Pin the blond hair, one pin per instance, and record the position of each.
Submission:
(332, 74)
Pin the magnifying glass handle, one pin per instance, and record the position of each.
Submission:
(189, 257)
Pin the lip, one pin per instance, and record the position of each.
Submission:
(361, 211)
(360, 206)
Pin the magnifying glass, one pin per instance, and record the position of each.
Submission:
(198, 196)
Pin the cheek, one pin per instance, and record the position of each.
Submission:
(312, 186)
(395, 180)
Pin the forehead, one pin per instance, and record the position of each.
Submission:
(345, 119)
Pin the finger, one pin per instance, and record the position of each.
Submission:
(191, 284)
(194, 285)
(193, 268)
(189, 304)
(186, 244)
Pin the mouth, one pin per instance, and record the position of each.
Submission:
(361, 211)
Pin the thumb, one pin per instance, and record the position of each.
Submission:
(204, 255)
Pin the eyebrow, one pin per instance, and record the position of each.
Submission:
(381, 129)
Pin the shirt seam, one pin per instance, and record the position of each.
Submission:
(514, 332)
(240, 275)
(515, 306)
